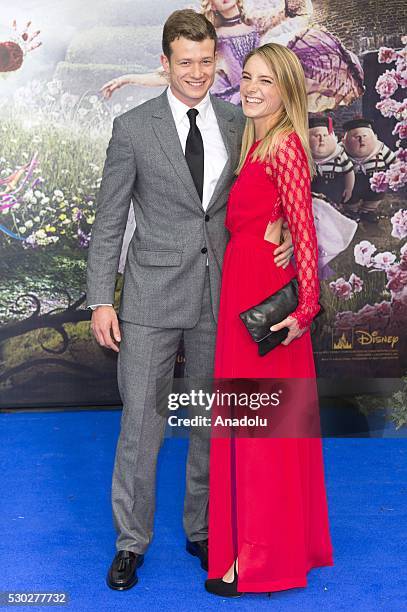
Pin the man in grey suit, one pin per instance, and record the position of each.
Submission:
(174, 158)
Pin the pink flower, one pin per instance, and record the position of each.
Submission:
(387, 84)
(399, 223)
(388, 107)
(401, 112)
(356, 283)
(401, 129)
(386, 55)
(403, 257)
(401, 71)
(383, 260)
(341, 288)
(397, 278)
(378, 182)
(402, 155)
(397, 175)
(363, 252)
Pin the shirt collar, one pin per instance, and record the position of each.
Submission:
(179, 109)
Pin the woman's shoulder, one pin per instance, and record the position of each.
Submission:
(289, 145)
(290, 139)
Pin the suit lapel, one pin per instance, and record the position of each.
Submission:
(166, 132)
(228, 130)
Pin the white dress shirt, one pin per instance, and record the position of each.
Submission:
(215, 154)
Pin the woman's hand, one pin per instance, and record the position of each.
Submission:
(294, 330)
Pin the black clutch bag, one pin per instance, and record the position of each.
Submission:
(272, 310)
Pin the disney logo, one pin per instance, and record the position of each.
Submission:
(365, 337)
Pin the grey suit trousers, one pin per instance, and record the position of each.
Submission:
(147, 355)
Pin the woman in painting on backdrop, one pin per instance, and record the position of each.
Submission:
(334, 75)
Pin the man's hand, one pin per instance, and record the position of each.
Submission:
(105, 327)
(283, 253)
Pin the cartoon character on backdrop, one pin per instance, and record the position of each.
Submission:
(331, 186)
(335, 177)
(13, 187)
(12, 51)
(369, 155)
(334, 75)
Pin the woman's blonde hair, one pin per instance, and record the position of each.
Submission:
(293, 114)
(207, 10)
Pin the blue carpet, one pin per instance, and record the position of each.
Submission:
(58, 534)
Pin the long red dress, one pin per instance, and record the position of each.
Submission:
(267, 501)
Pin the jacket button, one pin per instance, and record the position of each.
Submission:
(204, 250)
(207, 217)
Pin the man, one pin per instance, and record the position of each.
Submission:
(174, 157)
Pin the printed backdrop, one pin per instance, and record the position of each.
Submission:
(67, 68)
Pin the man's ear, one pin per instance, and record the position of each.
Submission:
(165, 62)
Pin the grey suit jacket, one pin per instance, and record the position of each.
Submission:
(165, 267)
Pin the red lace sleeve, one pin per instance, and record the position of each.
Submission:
(291, 173)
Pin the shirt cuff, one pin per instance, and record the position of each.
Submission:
(94, 306)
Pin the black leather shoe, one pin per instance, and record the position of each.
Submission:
(122, 574)
(200, 550)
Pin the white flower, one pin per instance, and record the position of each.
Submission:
(28, 195)
(363, 252)
(54, 87)
(383, 260)
(22, 229)
(29, 223)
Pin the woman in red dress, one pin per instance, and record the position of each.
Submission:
(268, 518)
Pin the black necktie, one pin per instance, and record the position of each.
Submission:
(194, 152)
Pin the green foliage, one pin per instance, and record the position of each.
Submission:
(62, 205)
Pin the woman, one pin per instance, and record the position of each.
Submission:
(268, 520)
(334, 75)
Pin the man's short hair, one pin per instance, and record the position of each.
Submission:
(189, 24)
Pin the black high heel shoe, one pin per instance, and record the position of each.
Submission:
(217, 586)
